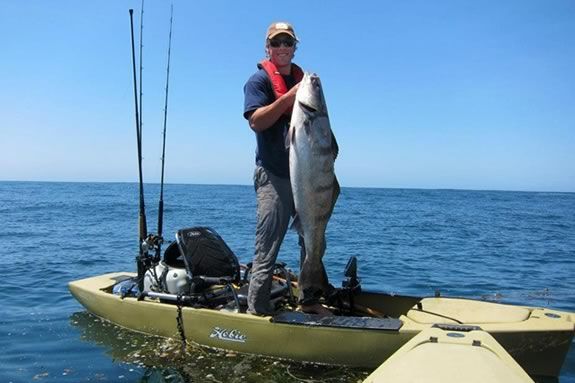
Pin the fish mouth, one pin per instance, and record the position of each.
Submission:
(308, 108)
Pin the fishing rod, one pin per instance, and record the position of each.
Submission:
(141, 68)
(143, 230)
(161, 203)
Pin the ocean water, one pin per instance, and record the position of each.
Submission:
(514, 247)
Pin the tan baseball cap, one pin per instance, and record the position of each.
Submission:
(279, 28)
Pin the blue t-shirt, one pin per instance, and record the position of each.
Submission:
(271, 152)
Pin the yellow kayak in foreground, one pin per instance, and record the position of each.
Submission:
(438, 355)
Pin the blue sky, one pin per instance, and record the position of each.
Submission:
(422, 94)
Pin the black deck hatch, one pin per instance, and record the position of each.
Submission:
(361, 323)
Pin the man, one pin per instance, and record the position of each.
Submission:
(269, 98)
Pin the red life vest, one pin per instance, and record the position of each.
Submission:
(278, 83)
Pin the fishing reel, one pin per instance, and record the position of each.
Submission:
(152, 244)
(149, 257)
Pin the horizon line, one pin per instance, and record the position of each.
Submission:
(250, 185)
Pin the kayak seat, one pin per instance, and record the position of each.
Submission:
(205, 254)
(465, 311)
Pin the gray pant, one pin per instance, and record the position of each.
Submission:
(274, 209)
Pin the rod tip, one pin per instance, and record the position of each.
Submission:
(131, 11)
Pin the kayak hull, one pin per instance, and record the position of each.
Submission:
(238, 332)
(538, 339)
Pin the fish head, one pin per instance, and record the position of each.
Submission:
(310, 96)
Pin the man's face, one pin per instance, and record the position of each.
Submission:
(281, 49)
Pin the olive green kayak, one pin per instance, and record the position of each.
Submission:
(537, 338)
(438, 355)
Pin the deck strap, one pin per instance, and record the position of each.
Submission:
(314, 320)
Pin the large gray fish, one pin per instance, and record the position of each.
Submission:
(312, 152)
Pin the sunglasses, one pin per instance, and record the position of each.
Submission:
(275, 43)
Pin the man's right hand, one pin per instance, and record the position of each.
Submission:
(264, 117)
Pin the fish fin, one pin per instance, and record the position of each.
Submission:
(335, 149)
(296, 225)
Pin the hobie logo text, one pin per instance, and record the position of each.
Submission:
(231, 335)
